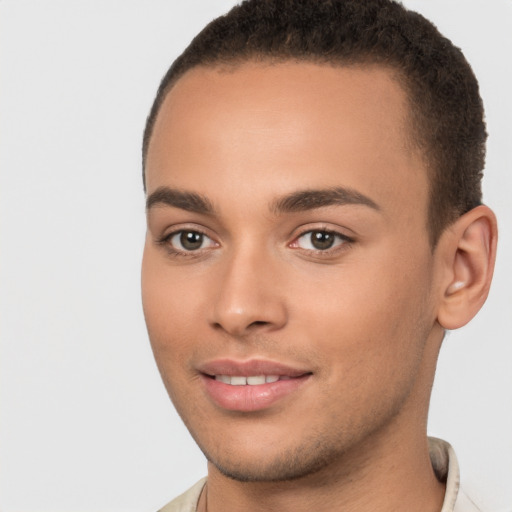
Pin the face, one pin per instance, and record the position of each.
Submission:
(287, 275)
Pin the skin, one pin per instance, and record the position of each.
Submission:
(362, 317)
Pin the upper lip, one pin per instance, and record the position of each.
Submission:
(250, 367)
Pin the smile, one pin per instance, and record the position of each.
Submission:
(251, 385)
(253, 380)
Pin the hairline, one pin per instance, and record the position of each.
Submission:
(233, 64)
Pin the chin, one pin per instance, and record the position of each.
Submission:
(262, 466)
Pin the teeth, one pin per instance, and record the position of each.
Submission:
(253, 380)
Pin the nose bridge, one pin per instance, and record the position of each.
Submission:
(248, 295)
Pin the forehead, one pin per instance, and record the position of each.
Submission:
(304, 123)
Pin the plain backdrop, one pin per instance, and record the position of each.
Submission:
(85, 422)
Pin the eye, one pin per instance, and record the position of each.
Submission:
(320, 240)
(189, 240)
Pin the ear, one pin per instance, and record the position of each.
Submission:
(468, 252)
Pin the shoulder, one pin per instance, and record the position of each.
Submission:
(186, 502)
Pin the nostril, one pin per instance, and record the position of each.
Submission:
(258, 323)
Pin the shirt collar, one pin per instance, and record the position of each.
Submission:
(446, 468)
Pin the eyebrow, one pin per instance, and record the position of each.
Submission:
(189, 201)
(301, 200)
(311, 199)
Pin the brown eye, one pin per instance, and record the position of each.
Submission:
(188, 240)
(320, 240)
(191, 240)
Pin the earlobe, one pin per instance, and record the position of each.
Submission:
(470, 252)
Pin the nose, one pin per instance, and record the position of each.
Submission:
(250, 297)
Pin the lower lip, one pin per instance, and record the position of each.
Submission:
(251, 398)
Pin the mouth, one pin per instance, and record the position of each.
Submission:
(251, 380)
(250, 385)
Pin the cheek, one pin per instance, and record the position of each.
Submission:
(171, 320)
(170, 307)
(367, 315)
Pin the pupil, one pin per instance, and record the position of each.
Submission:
(322, 240)
(191, 240)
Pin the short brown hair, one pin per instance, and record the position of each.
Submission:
(447, 115)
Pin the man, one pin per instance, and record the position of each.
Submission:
(315, 225)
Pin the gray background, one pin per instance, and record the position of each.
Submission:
(85, 423)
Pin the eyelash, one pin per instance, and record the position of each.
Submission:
(344, 241)
(178, 253)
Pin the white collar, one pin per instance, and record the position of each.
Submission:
(446, 468)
